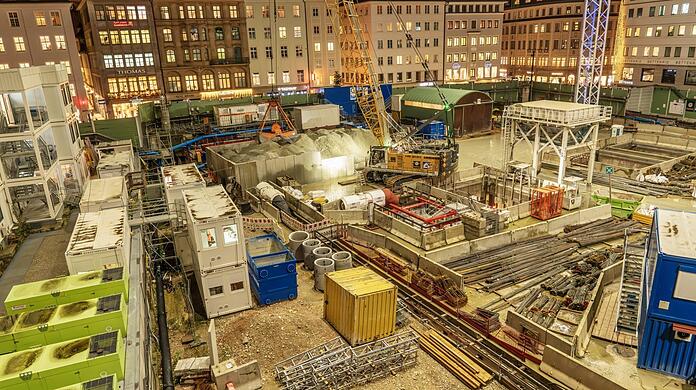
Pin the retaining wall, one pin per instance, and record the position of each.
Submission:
(573, 373)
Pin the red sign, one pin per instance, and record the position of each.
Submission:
(123, 23)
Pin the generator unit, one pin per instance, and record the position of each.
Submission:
(64, 364)
(100, 194)
(68, 289)
(100, 240)
(105, 383)
(667, 324)
(65, 322)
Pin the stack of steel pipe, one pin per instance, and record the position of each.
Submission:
(597, 231)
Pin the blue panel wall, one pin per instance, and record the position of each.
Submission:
(343, 97)
(659, 351)
(679, 310)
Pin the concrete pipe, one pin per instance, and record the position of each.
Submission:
(308, 247)
(320, 252)
(295, 242)
(342, 260)
(321, 267)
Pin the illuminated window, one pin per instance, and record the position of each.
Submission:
(60, 42)
(164, 12)
(45, 42)
(167, 34)
(234, 13)
(208, 83)
(207, 235)
(174, 83)
(40, 18)
(224, 81)
(171, 57)
(282, 32)
(221, 53)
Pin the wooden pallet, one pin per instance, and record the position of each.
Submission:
(453, 359)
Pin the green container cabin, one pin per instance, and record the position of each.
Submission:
(64, 364)
(68, 289)
(66, 322)
(7, 324)
(105, 383)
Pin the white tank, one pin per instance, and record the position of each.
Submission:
(361, 200)
(268, 192)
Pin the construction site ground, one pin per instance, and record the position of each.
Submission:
(273, 333)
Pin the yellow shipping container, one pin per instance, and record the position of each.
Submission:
(360, 305)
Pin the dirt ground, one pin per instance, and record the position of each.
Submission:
(273, 333)
(49, 260)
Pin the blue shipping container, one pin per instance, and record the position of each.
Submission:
(667, 328)
(276, 289)
(345, 98)
(433, 130)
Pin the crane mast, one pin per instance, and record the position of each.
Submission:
(595, 24)
(368, 93)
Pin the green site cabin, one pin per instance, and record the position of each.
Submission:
(68, 289)
(65, 322)
(64, 364)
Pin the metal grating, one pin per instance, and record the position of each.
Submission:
(103, 344)
(111, 274)
(109, 304)
(99, 384)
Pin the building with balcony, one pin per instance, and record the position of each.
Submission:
(203, 49)
(541, 39)
(292, 48)
(34, 33)
(472, 40)
(120, 54)
(40, 151)
(659, 44)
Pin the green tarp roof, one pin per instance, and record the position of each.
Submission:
(430, 95)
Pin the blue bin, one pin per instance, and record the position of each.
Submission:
(269, 257)
(276, 289)
(433, 130)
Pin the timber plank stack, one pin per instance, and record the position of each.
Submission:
(453, 359)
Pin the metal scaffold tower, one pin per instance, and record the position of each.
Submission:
(594, 38)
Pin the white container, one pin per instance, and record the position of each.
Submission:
(102, 194)
(224, 290)
(396, 102)
(99, 241)
(178, 178)
(314, 117)
(236, 115)
(215, 228)
(361, 200)
(262, 108)
(114, 163)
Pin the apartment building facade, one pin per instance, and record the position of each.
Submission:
(34, 33)
(120, 53)
(40, 149)
(203, 49)
(292, 47)
(543, 38)
(659, 44)
(386, 27)
(472, 40)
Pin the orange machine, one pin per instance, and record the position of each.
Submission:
(546, 202)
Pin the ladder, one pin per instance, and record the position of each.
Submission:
(508, 139)
(629, 298)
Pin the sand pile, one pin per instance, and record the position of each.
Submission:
(330, 143)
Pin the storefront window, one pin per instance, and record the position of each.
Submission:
(208, 240)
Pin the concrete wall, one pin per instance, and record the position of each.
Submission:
(573, 373)
(545, 336)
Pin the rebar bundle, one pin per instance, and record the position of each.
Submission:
(336, 365)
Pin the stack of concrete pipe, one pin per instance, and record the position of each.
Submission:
(296, 239)
(308, 247)
(322, 266)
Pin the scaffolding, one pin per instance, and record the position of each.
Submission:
(552, 125)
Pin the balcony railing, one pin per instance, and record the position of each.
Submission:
(229, 61)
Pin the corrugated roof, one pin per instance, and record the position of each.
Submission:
(430, 95)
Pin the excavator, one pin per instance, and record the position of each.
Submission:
(400, 155)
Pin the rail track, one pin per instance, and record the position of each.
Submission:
(505, 367)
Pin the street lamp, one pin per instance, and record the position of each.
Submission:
(533, 52)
